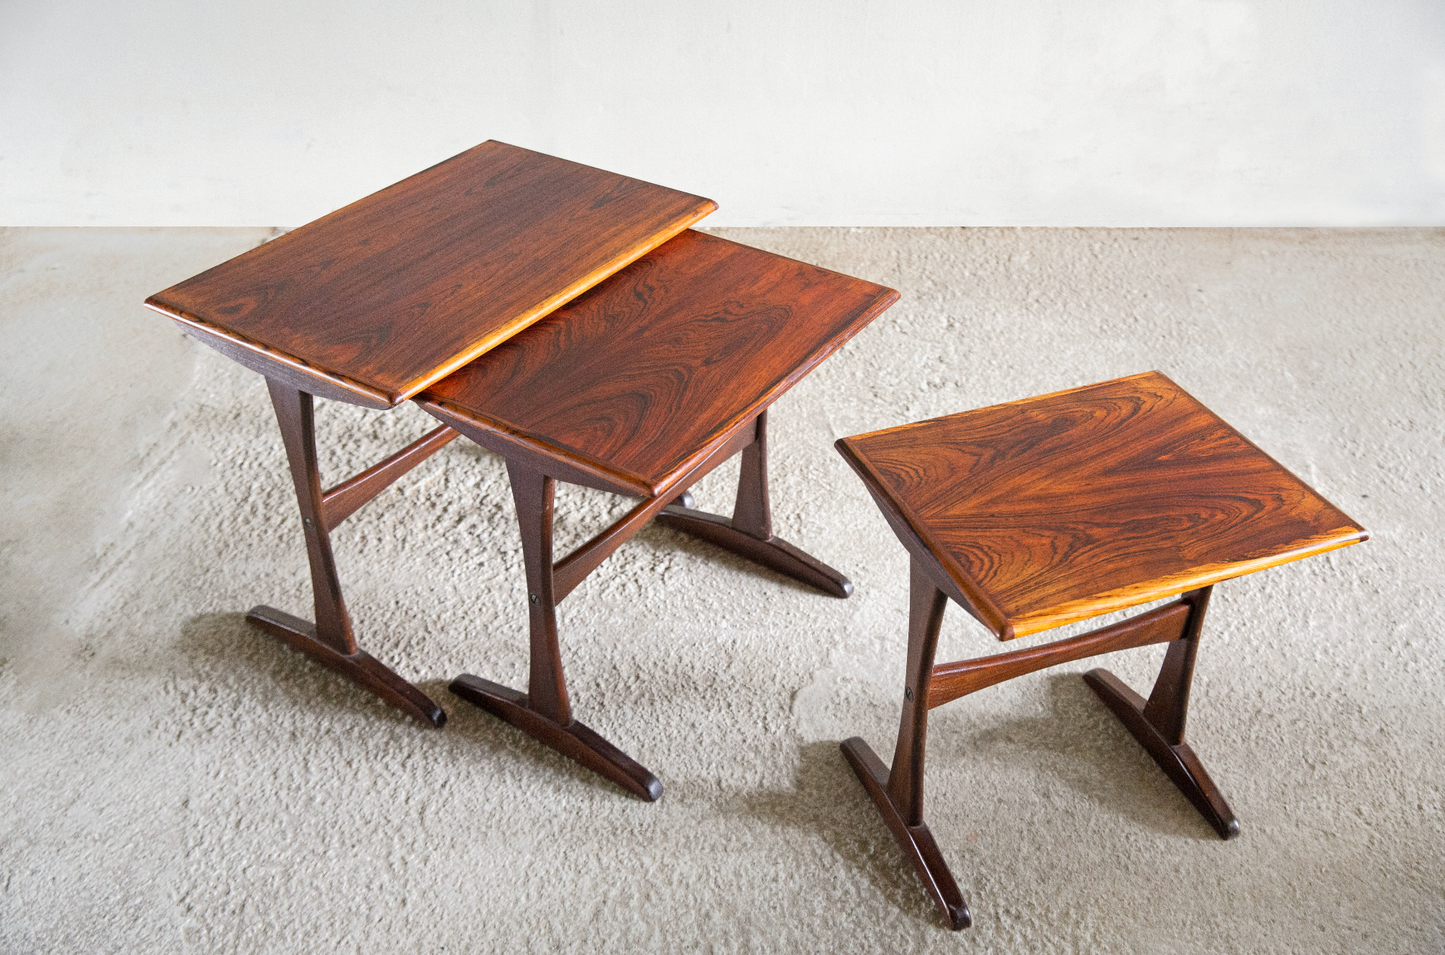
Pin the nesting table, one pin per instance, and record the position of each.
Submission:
(568, 319)
(1052, 510)
(459, 287)
(641, 387)
(377, 301)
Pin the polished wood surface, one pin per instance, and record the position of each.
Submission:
(1038, 513)
(575, 740)
(378, 300)
(915, 839)
(641, 387)
(1041, 512)
(634, 382)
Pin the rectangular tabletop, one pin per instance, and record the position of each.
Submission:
(376, 301)
(647, 374)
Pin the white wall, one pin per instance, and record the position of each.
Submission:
(851, 112)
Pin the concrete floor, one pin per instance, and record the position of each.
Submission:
(175, 781)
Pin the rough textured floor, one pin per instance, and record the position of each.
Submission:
(171, 780)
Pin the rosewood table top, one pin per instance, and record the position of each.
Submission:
(1062, 507)
(650, 372)
(378, 300)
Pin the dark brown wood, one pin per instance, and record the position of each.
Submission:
(1169, 702)
(341, 501)
(1177, 760)
(571, 570)
(952, 680)
(926, 604)
(1038, 513)
(641, 387)
(752, 507)
(916, 841)
(534, 495)
(645, 375)
(575, 741)
(281, 368)
(574, 568)
(330, 640)
(544, 712)
(374, 302)
(378, 300)
(359, 667)
(1092, 500)
(898, 792)
(775, 553)
(1159, 723)
(749, 532)
(296, 418)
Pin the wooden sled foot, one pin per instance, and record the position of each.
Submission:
(574, 740)
(916, 842)
(1177, 760)
(773, 553)
(359, 667)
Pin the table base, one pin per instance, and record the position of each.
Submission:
(574, 740)
(544, 712)
(359, 667)
(1158, 723)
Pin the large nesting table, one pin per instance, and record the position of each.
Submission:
(377, 301)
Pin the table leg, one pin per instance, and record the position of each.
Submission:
(749, 532)
(330, 640)
(544, 712)
(1158, 723)
(898, 793)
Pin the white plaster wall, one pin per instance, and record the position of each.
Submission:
(846, 112)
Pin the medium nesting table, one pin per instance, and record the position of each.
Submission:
(640, 387)
(377, 301)
(1040, 513)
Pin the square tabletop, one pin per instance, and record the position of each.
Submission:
(644, 376)
(376, 301)
(1062, 507)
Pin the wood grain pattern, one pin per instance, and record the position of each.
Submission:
(379, 299)
(646, 374)
(1070, 505)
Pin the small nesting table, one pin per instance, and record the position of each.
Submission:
(377, 301)
(1040, 513)
(640, 387)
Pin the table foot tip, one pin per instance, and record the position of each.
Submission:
(917, 842)
(360, 668)
(575, 740)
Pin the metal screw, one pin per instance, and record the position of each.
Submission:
(532, 598)
(908, 694)
(308, 522)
